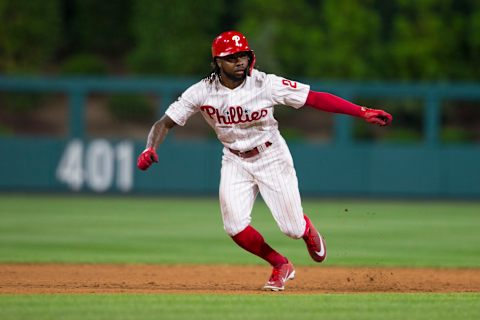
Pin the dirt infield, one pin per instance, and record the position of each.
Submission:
(85, 278)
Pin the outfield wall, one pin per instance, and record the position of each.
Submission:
(340, 168)
(193, 168)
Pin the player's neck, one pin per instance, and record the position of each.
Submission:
(229, 82)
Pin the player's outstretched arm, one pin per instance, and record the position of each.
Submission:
(331, 103)
(157, 134)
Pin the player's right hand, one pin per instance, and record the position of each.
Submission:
(146, 158)
(376, 116)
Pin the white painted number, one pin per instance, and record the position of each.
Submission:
(124, 166)
(237, 39)
(99, 165)
(95, 167)
(70, 168)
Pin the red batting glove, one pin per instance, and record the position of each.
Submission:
(146, 158)
(376, 116)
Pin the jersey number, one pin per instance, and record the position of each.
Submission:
(289, 83)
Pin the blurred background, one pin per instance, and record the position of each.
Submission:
(82, 81)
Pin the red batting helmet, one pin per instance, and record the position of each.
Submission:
(231, 42)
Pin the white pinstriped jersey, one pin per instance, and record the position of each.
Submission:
(242, 117)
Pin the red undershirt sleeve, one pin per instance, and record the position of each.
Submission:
(331, 103)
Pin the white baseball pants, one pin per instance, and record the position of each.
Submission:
(271, 173)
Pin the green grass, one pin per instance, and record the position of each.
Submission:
(212, 307)
(93, 229)
(98, 229)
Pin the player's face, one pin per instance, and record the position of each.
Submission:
(234, 67)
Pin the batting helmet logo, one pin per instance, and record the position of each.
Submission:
(231, 42)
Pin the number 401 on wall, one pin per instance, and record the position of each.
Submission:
(97, 164)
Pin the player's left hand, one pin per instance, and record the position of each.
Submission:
(376, 116)
(146, 158)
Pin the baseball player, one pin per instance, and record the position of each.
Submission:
(238, 101)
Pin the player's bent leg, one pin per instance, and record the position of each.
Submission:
(237, 195)
(279, 188)
(314, 241)
(252, 241)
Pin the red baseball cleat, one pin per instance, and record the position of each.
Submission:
(279, 276)
(315, 242)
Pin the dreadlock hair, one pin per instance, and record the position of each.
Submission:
(214, 74)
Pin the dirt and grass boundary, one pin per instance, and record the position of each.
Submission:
(209, 279)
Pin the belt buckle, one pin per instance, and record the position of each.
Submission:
(257, 149)
(261, 148)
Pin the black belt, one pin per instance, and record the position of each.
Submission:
(251, 153)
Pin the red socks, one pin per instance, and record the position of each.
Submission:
(252, 241)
